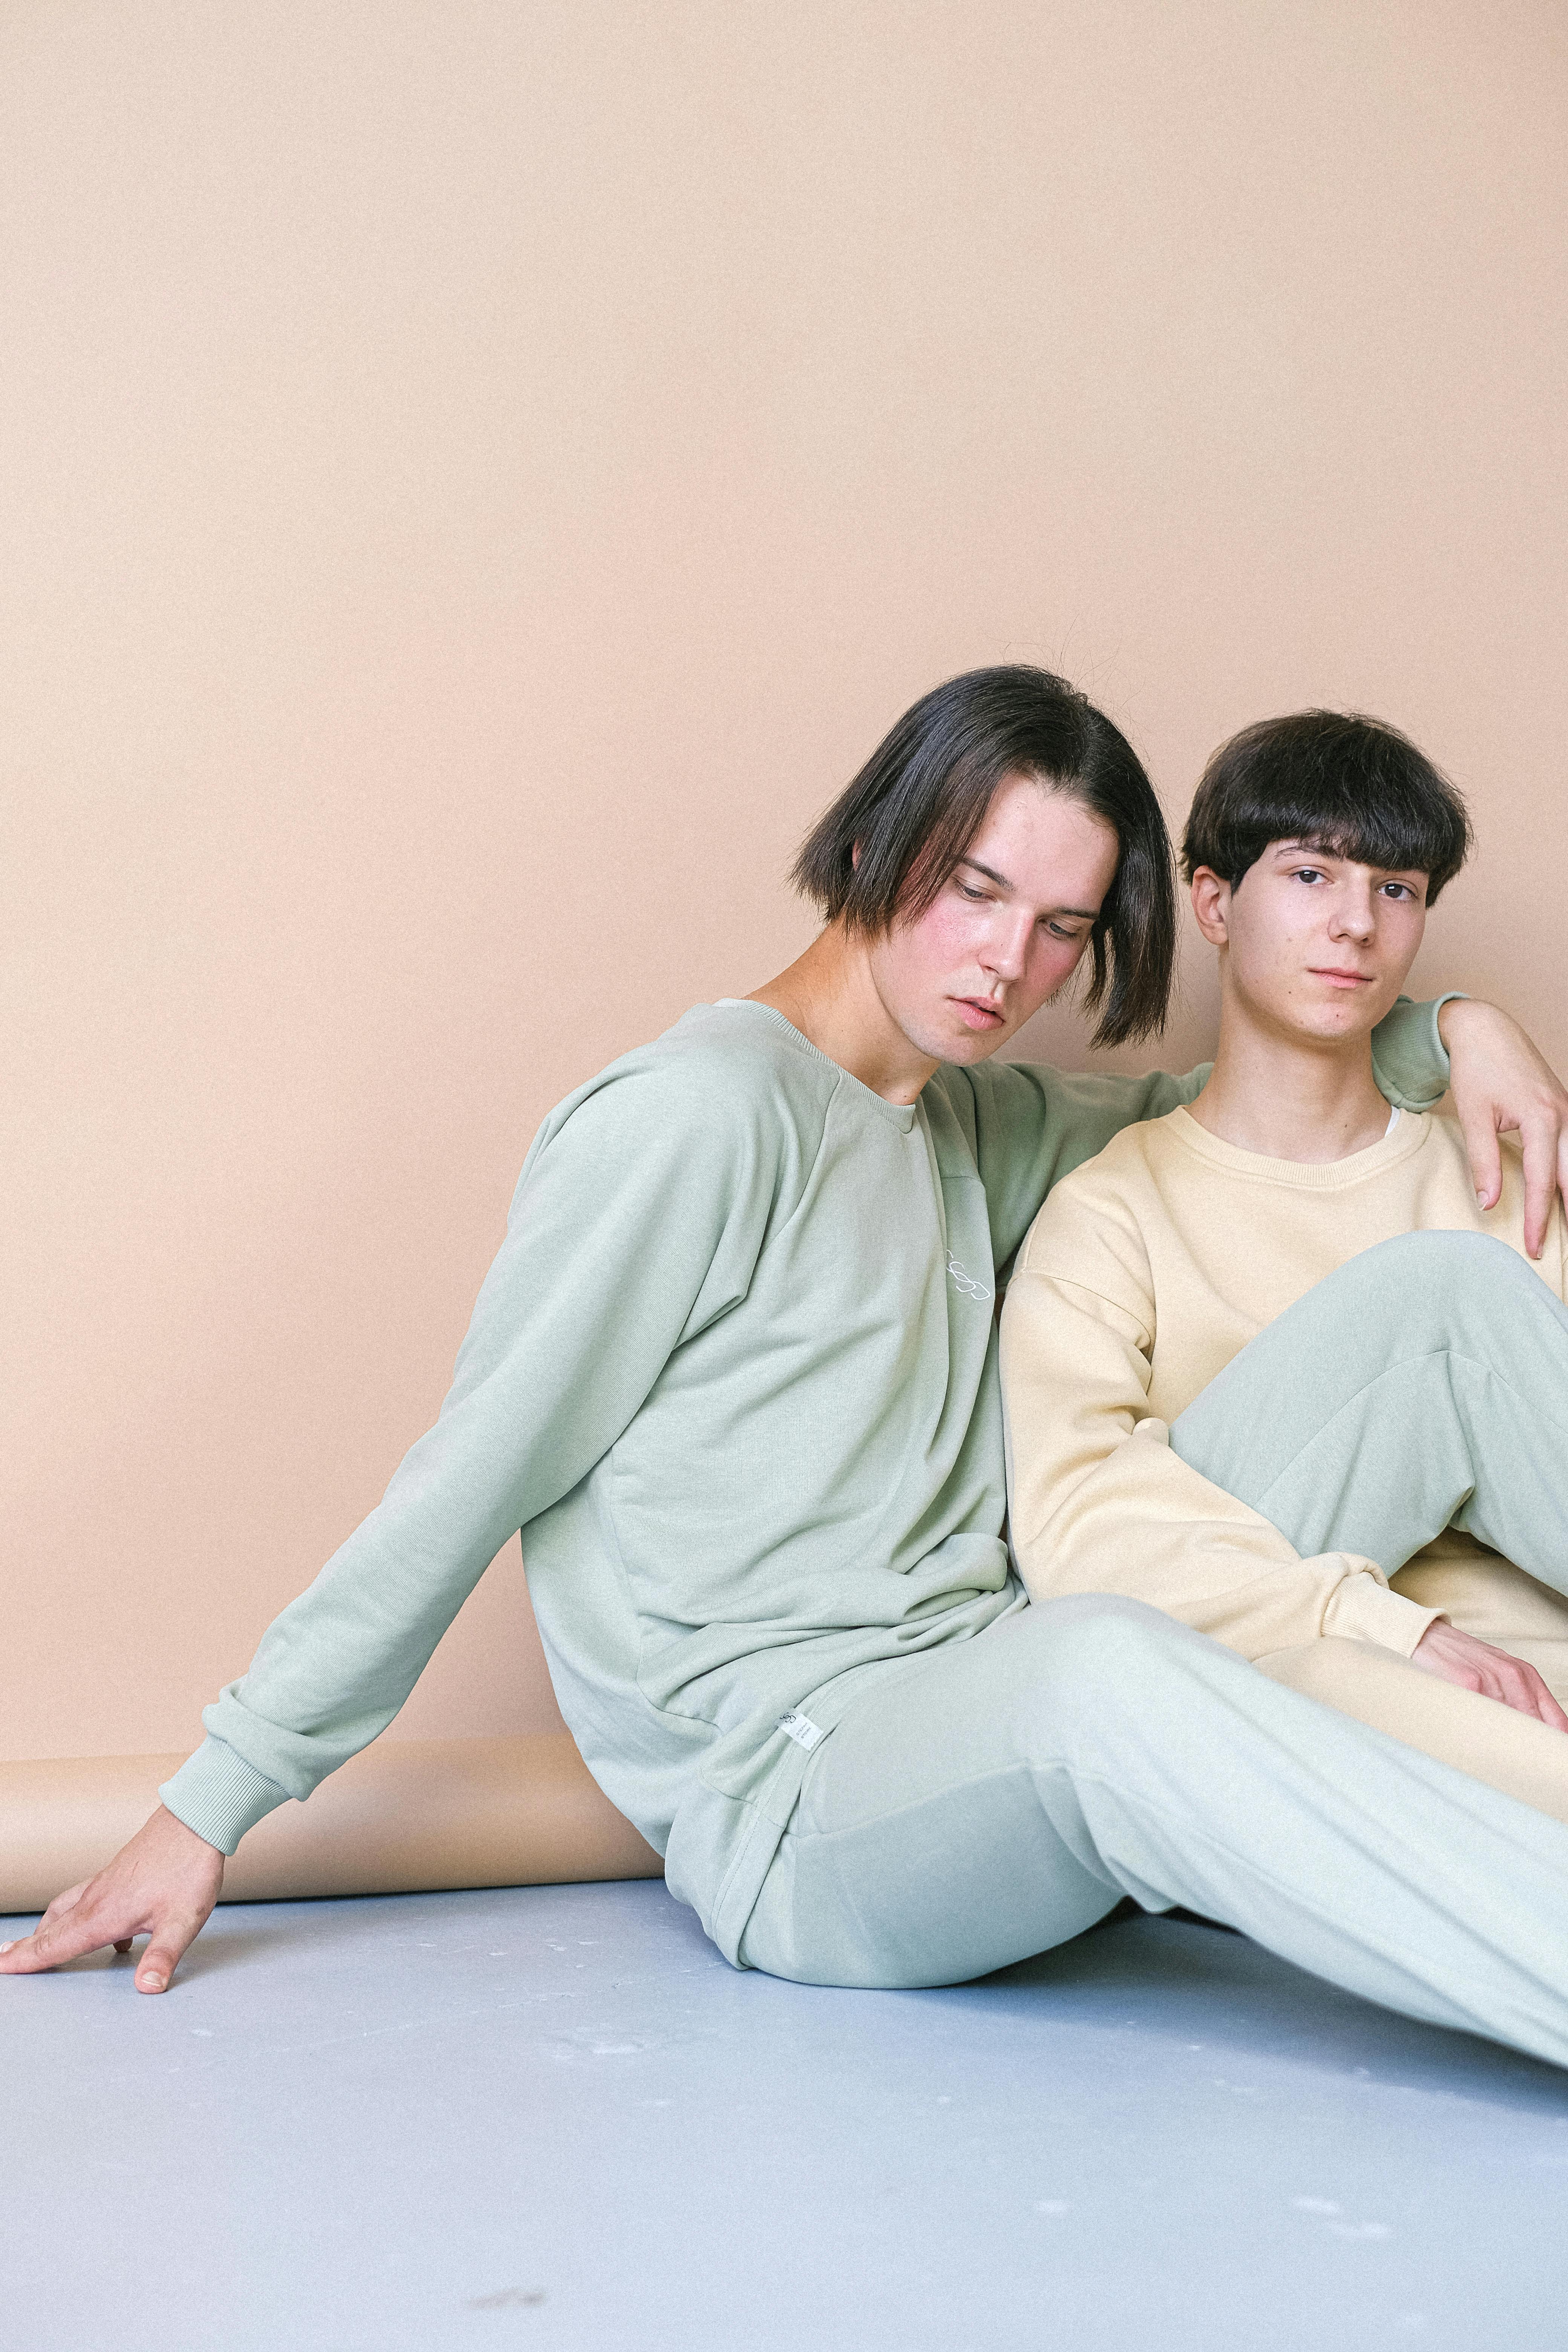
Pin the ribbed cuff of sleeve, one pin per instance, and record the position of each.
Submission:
(216, 1793)
(1409, 1059)
(1363, 1610)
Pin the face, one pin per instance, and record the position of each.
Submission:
(1315, 944)
(1005, 931)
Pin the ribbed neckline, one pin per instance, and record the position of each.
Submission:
(1303, 1175)
(900, 1115)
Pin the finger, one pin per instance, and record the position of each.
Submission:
(1519, 1693)
(1485, 1155)
(1508, 1680)
(63, 1903)
(1546, 1707)
(163, 1955)
(50, 1943)
(1520, 1686)
(1542, 1140)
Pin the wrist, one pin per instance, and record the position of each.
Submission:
(166, 1825)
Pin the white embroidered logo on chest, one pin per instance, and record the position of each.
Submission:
(966, 1282)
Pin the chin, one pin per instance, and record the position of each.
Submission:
(973, 1045)
(1351, 1024)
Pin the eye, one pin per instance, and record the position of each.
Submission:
(967, 890)
(1308, 874)
(1398, 890)
(1063, 932)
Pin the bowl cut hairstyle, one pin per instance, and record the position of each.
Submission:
(1333, 781)
(923, 794)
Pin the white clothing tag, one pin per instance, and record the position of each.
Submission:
(802, 1730)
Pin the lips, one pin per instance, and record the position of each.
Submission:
(979, 1013)
(1340, 978)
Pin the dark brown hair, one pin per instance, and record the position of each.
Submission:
(1332, 781)
(923, 794)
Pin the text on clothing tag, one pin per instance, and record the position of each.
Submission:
(802, 1730)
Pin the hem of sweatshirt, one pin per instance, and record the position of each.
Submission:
(1364, 1610)
(1388, 1086)
(216, 1793)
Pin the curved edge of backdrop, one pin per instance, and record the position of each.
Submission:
(405, 1817)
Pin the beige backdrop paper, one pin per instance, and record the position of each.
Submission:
(479, 476)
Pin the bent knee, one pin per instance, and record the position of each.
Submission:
(1101, 1642)
(1440, 1256)
(1440, 1272)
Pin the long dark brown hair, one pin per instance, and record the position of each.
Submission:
(922, 795)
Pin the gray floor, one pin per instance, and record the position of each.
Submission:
(552, 2117)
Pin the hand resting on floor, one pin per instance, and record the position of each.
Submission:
(161, 1884)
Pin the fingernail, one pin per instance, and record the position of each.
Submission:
(154, 1984)
(7, 1947)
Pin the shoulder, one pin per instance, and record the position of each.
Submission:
(997, 1094)
(1444, 1148)
(1445, 1138)
(1092, 1227)
(1113, 1185)
(1450, 1188)
(717, 1085)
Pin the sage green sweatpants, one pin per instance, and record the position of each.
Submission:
(983, 1801)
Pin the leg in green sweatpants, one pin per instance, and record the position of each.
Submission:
(989, 1799)
(1422, 1385)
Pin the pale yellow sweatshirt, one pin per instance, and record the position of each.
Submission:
(1144, 1273)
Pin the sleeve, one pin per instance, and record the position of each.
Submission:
(636, 1220)
(1033, 1125)
(1409, 1059)
(1097, 1500)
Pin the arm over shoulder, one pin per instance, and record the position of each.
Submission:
(1033, 1125)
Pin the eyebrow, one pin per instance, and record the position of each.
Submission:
(1322, 849)
(1087, 914)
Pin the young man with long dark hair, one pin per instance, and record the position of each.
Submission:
(733, 1374)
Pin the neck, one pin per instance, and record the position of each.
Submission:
(830, 995)
(1288, 1097)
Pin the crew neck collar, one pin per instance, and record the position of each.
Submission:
(900, 1114)
(1406, 1136)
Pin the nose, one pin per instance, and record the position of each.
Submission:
(1006, 950)
(1355, 912)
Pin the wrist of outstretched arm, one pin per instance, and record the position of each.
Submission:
(216, 1793)
(1361, 1609)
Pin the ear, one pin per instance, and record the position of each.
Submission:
(1211, 905)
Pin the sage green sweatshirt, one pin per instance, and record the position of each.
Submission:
(733, 1375)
